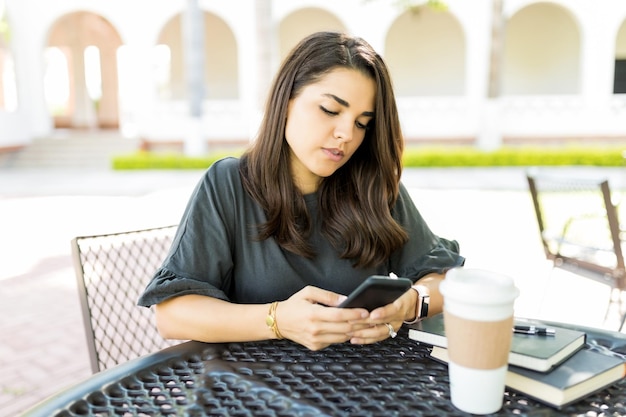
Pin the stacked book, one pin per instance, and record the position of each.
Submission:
(553, 365)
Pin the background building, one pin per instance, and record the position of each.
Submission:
(559, 66)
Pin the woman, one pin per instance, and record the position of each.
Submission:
(270, 243)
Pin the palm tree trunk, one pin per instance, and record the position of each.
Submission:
(496, 49)
(264, 44)
(193, 38)
(490, 134)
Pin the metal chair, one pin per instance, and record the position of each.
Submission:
(112, 270)
(579, 228)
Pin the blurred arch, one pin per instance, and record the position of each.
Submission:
(426, 51)
(71, 35)
(303, 22)
(542, 52)
(221, 62)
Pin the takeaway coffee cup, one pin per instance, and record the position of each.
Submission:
(478, 320)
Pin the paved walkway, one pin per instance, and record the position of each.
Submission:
(42, 341)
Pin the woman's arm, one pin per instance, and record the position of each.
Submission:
(304, 318)
(431, 282)
(208, 319)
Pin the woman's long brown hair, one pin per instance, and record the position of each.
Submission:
(354, 202)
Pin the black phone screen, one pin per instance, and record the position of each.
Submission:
(377, 291)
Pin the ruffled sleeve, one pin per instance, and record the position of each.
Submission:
(442, 257)
(200, 260)
(166, 284)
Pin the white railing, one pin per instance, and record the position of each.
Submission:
(433, 118)
(221, 120)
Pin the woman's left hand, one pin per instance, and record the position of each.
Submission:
(385, 321)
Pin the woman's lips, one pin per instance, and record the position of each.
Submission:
(334, 154)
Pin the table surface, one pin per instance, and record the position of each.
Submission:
(280, 378)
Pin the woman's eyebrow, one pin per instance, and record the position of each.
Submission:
(346, 104)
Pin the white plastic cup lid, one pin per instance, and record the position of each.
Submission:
(478, 286)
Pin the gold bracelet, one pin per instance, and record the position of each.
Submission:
(271, 322)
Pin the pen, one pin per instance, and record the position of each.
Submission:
(534, 330)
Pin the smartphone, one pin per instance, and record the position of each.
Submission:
(377, 291)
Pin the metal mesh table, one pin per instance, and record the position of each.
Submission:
(281, 378)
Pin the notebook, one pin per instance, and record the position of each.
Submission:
(585, 372)
(539, 353)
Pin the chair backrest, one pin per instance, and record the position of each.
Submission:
(112, 270)
(579, 226)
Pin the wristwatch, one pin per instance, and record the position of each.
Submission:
(423, 302)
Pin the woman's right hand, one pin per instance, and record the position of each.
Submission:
(310, 317)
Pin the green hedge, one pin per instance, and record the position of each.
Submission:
(160, 160)
(441, 156)
(514, 156)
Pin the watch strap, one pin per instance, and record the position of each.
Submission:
(423, 303)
